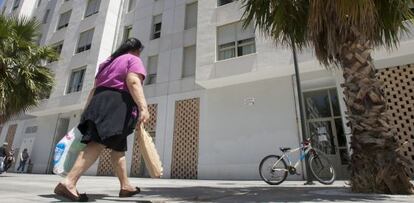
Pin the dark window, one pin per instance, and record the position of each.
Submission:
(223, 2)
(64, 20)
(85, 41)
(92, 8)
(76, 81)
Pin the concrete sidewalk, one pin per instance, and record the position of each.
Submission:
(18, 188)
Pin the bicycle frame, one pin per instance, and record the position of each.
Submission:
(304, 150)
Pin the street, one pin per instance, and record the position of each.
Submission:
(18, 188)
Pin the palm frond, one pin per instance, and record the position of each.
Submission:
(23, 79)
(283, 21)
(327, 24)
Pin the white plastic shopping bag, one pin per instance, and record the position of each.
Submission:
(66, 152)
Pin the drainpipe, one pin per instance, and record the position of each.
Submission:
(309, 177)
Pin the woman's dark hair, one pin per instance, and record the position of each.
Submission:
(131, 44)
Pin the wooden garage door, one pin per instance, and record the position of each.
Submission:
(399, 93)
(10, 135)
(137, 165)
(186, 138)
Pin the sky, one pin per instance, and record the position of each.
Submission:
(1, 2)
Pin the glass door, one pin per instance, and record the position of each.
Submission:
(324, 126)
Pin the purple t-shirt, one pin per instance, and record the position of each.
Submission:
(114, 74)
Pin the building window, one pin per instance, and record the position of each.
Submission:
(189, 61)
(92, 8)
(223, 2)
(76, 81)
(16, 4)
(85, 41)
(156, 27)
(58, 48)
(64, 20)
(131, 5)
(46, 16)
(246, 46)
(127, 32)
(31, 129)
(234, 41)
(191, 15)
(152, 70)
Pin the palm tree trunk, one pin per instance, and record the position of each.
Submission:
(377, 164)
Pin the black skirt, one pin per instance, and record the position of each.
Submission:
(108, 119)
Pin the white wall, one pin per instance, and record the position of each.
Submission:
(269, 61)
(236, 136)
(169, 47)
(104, 24)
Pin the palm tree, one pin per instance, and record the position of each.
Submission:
(343, 34)
(24, 80)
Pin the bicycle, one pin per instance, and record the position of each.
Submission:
(276, 167)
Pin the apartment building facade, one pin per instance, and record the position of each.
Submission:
(221, 97)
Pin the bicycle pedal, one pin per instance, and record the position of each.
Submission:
(298, 174)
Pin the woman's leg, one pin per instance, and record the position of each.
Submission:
(119, 164)
(85, 160)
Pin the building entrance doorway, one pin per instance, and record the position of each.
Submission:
(324, 126)
(61, 130)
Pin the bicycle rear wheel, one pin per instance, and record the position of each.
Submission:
(273, 170)
(322, 169)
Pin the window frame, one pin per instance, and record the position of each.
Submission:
(55, 46)
(156, 34)
(183, 74)
(226, 48)
(131, 6)
(59, 27)
(236, 44)
(93, 12)
(79, 87)
(87, 46)
(151, 78)
(186, 26)
(250, 41)
(127, 32)
(220, 3)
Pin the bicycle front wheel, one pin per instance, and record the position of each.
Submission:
(322, 169)
(273, 170)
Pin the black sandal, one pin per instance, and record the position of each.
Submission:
(126, 193)
(63, 191)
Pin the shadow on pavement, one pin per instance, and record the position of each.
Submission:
(261, 194)
(239, 194)
(94, 198)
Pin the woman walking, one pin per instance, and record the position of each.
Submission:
(114, 107)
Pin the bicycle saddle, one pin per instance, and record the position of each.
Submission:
(284, 149)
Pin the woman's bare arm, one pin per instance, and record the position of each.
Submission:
(134, 83)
